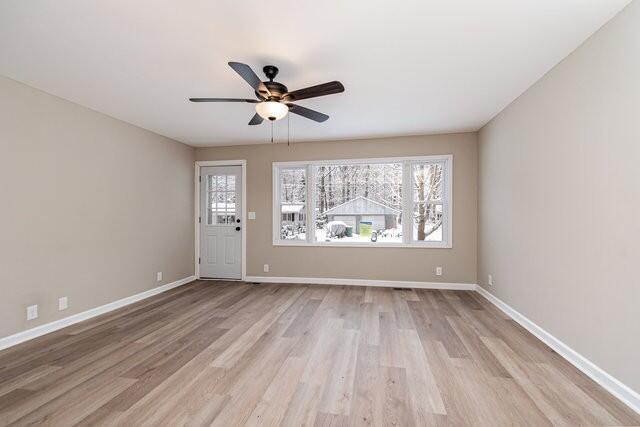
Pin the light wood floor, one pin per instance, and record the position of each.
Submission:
(231, 354)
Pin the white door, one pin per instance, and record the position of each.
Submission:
(220, 222)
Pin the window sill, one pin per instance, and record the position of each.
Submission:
(429, 245)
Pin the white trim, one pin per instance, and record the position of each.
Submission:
(245, 226)
(221, 162)
(196, 199)
(29, 334)
(310, 202)
(624, 393)
(298, 163)
(415, 245)
(363, 282)
(407, 208)
(275, 208)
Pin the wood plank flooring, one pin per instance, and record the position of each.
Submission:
(228, 354)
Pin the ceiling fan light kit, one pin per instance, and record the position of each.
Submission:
(272, 110)
(274, 100)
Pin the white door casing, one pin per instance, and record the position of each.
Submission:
(221, 222)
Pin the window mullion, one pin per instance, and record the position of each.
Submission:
(277, 215)
(310, 216)
(407, 202)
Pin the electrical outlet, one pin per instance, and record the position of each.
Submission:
(159, 276)
(32, 312)
(62, 303)
(490, 281)
(252, 215)
(266, 268)
(438, 271)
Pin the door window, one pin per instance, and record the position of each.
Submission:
(221, 199)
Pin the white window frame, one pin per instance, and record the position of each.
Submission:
(407, 204)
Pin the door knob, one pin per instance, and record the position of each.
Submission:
(237, 228)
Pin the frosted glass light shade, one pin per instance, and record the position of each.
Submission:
(271, 110)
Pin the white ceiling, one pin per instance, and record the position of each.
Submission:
(409, 67)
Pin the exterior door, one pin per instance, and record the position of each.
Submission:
(220, 222)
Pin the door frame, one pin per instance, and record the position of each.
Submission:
(196, 180)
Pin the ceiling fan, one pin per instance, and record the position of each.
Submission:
(274, 100)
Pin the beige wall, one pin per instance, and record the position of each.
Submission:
(559, 215)
(459, 263)
(91, 207)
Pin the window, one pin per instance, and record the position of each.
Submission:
(292, 182)
(428, 205)
(372, 202)
(358, 202)
(221, 199)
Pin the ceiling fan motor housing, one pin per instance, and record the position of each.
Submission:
(277, 90)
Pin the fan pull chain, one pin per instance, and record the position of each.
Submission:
(272, 132)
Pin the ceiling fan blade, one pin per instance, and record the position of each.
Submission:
(308, 113)
(255, 120)
(314, 91)
(250, 77)
(251, 101)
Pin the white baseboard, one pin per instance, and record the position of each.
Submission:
(23, 336)
(363, 282)
(624, 393)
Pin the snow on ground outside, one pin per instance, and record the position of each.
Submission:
(321, 236)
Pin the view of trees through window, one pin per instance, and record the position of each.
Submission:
(428, 203)
(362, 202)
(293, 194)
